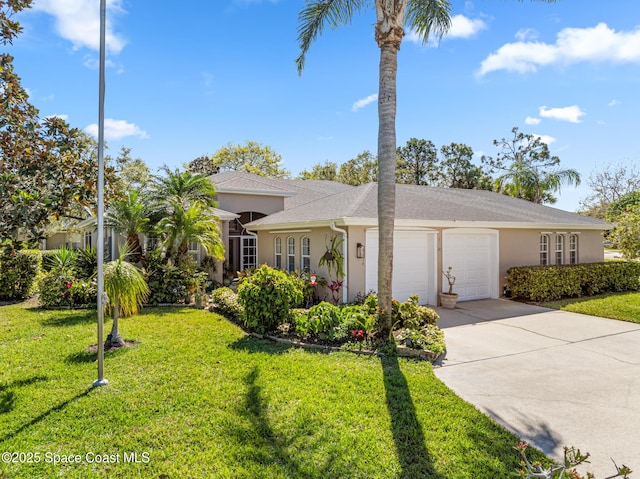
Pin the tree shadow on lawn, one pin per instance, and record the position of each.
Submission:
(408, 437)
(264, 447)
(252, 344)
(72, 317)
(8, 395)
(44, 415)
(90, 355)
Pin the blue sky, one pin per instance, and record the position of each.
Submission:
(186, 78)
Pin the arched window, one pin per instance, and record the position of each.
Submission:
(291, 254)
(305, 254)
(278, 253)
(559, 249)
(573, 249)
(544, 249)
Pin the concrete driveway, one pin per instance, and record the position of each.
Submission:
(554, 378)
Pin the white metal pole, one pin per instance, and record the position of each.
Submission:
(101, 381)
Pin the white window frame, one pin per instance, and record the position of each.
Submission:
(559, 249)
(573, 249)
(248, 252)
(291, 254)
(305, 254)
(544, 249)
(277, 252)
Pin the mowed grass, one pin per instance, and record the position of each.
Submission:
(197, 398)
(622, 306)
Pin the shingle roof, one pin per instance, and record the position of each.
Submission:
(431, 205)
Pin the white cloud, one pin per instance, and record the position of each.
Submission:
(461, 27)
(79, 22)
(525, 34)
(573, 45)
(571, 113)
(614, 103)
(464, 27)
(364, 102)
(117, 129)
(532, 121)
(545, 138)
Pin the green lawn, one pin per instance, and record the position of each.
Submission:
(197, 398)
(622, 306)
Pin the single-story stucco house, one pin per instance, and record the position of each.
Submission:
(480, 234)
(289, 223)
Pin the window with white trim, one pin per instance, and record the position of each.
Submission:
(559, 249)
(305, 258)
(277, 245)
(573, 249)
(544, 249)
(291, 254)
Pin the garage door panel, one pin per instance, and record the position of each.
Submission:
(412, 264)
(473, 257)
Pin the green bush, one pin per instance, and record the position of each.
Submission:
(18, 270)
(429, 338)
(267, 297)
(323, 321)
(226, 302)
(548, 283)
(59, 288)
(87, 263)
(172, 283)
(414, 316)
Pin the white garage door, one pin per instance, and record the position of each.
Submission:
(413, 264)
(474, 259)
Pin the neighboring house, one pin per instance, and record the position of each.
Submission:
(480, 234)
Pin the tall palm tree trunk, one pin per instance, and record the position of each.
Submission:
(386, 178)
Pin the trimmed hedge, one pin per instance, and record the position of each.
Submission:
(18, 270)
(548, 283)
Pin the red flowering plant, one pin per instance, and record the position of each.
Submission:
(335, 286)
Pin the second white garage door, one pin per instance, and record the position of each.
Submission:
(414, 260)
(473, 255)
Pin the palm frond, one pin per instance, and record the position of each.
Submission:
(318, 14)
(429, 17)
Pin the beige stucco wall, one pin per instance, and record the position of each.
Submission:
(516, 247)
(522, 248)
(237, 203)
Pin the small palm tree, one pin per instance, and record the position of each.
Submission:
(130, 217)
(126, 289)
(184, 187)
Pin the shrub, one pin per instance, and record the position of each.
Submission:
(59, 287)
(87, 263)
(414, 316)
(226, 302)
(429, 338)
(547, 283)
(18, 270)
(267, 297)
(171, 283)
(61, 258)
(323, 321)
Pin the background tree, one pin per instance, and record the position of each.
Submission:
(360, 170)
(425, 17)
(252, 158)
(321, 171)
(45, 171)
(203, 165)
(458, 171)
(527, 170)
(131, 173)
(608, 186)
(417, 163)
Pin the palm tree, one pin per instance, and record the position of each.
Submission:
(126, 289)
(129, 216)
(183, 186)
(426, 17)
(529, 170)
(182, 226)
